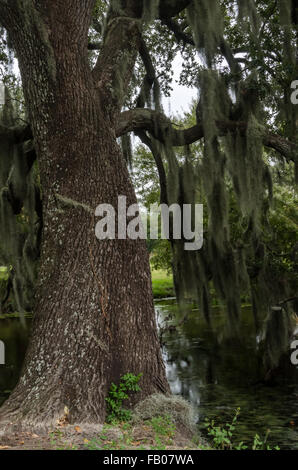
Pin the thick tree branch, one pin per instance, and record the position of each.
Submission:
(115, 63)
(161, 128)
(149, 78)
(179, 34)
(288, 149)
(158, 125)
(154, 148)
(229, 56)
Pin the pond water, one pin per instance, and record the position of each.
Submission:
(216, 374)
(15, 337)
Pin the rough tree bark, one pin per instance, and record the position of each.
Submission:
(94, 317)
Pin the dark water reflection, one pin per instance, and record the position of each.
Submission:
(216, 374)
(15, 337)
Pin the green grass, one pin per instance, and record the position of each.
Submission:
(162, 284)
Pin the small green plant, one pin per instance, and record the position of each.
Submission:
(258, 444)
(55, 436)
(159, 444)
(163, 426)
(118, 394)
(56, 440)
(164, 431)
(222, 436)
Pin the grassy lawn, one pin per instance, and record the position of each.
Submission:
(162, 284)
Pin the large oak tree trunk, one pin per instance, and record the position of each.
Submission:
(94, 318)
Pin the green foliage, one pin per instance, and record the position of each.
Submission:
(222, 436)
(163, 426)
(57, 441)
(4, 273)
(164, 432)
(161, 255)
(260, 444)
(118, 394)
(205, 19)
(145, 177)
(4, 277)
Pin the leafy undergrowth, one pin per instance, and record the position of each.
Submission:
(118, 394)
(159, 433)
(222, 437)
(160, 422)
